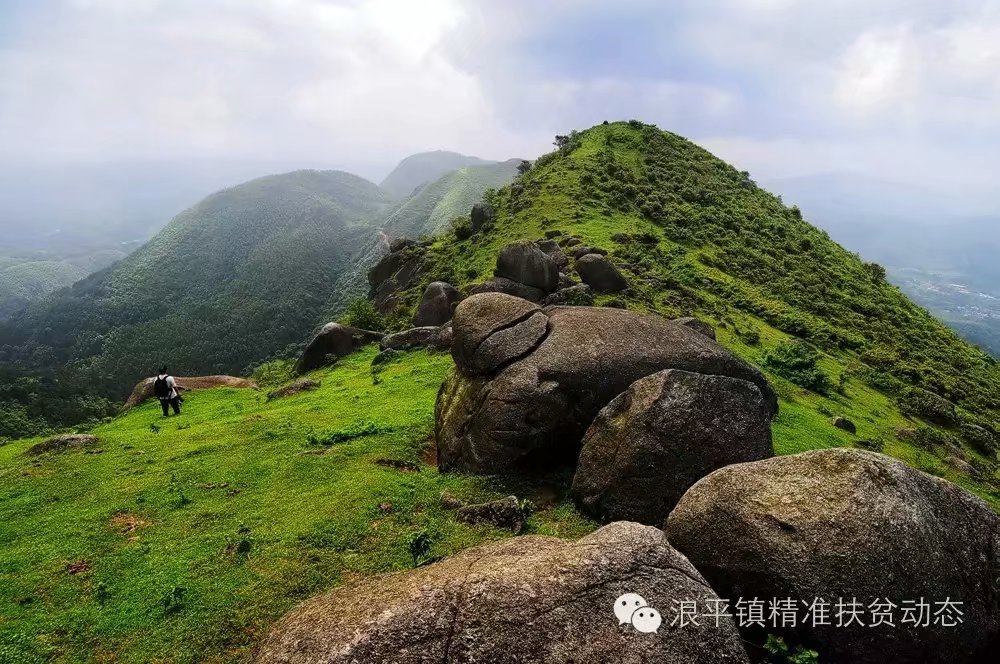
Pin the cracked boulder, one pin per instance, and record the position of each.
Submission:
(663, 434)
(518, 600)
(847, 523)
(525, 263)
(528, 382)
(332, 342)
(436, 304)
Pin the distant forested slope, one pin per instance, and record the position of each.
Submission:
(226, 284)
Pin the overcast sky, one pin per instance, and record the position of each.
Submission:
(904, 90)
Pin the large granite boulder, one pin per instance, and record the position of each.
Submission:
(144, 388)
(435, 337)
(518, 600)
(525, 263)
(663, 434)
(846, 523)
(334, 341)
(436, 304)
(600, 274)
(523, 395)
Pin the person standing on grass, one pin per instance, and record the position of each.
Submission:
(165, 389)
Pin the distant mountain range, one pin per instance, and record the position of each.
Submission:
(227, 283)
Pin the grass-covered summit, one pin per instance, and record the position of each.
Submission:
(695, 236)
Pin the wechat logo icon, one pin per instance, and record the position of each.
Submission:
(632, 609)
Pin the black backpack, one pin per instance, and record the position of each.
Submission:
(160, 388)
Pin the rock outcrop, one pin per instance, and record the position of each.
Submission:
(334, 341)
(522, 599)
(436, 304)
(577, 295)
(433, 337)
(845, 523)
(401, 268)
(295, 387)
(503, 513)
(697, 325)
(523, 395)
(526, 264)
(551, 249)
(61, 443)
(144, 389)
(663, 434)
(600, 274)
(845, 424)
(481, 216)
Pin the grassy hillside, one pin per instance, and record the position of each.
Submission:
(430, 210)
(697, 237)
(423, 168)
(227, 283)
(181, 539)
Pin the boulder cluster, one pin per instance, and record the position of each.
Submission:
(668, 435)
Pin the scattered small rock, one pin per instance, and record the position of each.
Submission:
(697, 325)
(508, 287)
(504, 513)
(399, 464)
(78, 567)
(843, 423)
(61, 443)
(962, 466)
(450, 502)
(581, 251)
(433, 337)
(295, 387)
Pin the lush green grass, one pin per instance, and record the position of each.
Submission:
(155, 511)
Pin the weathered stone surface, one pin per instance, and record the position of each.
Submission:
(506, 345)
(697, 325)
(509, 287)
(482, 215)
(663, 434)
(503, 513)
(144, 388)
(845, 523)
(61, 443)
(525, 263)
(519, 600)
(479, 317)
(434, 337)
(334, 341)
(843, 423)
(551, 249)
(577, 295)
(600, 274)
(962, 466)
(295, 387)
(436, 304)
(533, 413)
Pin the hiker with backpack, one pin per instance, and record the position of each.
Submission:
(165, 389)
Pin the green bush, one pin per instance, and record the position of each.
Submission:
(344, 434)
(362, 313)
(797, 361)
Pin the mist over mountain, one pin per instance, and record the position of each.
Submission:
(422, 168)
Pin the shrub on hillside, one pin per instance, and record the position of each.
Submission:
(797, 362)
(362, 313)
(919, 402)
